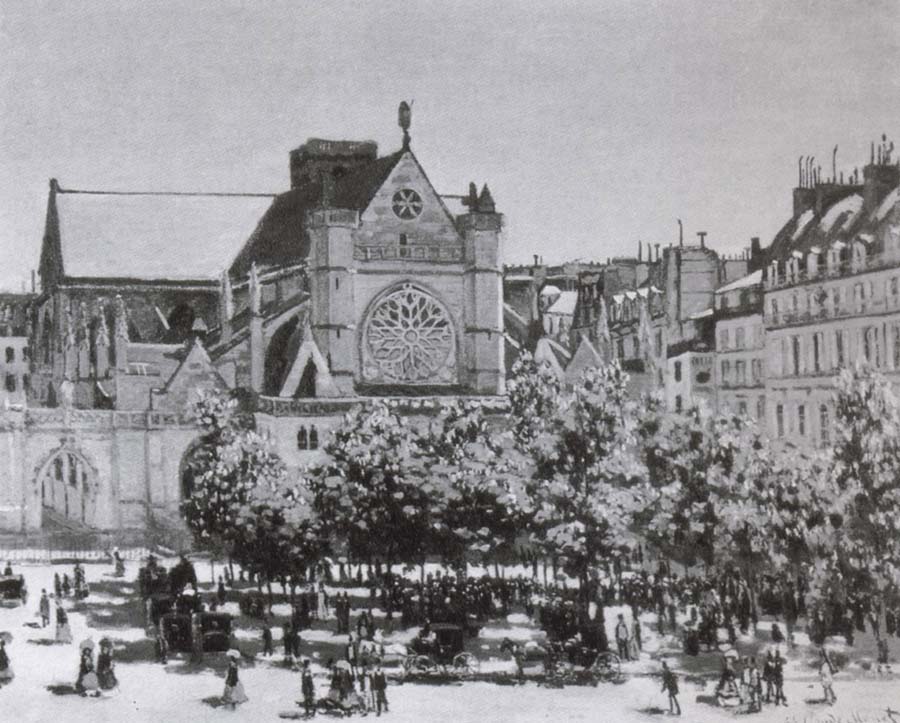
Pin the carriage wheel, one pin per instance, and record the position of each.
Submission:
(424, 664)
(466, 664)
(607, 667)
(409, 664)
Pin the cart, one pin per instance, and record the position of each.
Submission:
(13, 590)
(442, 651)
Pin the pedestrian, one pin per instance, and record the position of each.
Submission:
(162, 648)
(66, 585)
(778, 676)
(63, 632)
(106, 675)
(234, 693)
(220, 591)
(267, 637)
(636, 634)
(287, 641)
(351, 652)
(826, 676)
(321, 602)
(670, 686)
(87, 682)
(7, 571)
(622, 638)
(6, 671)
(308, 688)
(57, 585)
(379, 688)
(44, 608)
(755, 683)
(768, 676)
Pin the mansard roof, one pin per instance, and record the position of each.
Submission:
(281, 238)
(144, 235)
(845, 216)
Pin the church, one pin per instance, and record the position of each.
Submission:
(361, 281)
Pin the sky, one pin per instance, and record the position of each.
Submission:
(595, 124)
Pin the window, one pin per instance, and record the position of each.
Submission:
(795, 355)
(10, 382)
(726, 371)
(824, 425)
(740, 371)
(836, 299)
(337, 284)
(756, 370)
(24, 353)
(658, 343)
(620, 348)
(10, 355)
(774, 307)
(896, 328)
(839, 347)
(723, 339)
(724, 304)
(403, 239)
(678, 371)
(779, 419)
(761, 408)
(678, 403)
(817, 352)
(785, 356)
(313, 437)
(859, 298)
(801, 419)
(894, 291)
(742, 408)
(739, 338)
(302, 438)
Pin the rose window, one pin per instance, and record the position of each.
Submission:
(407, 204)
(409, 338)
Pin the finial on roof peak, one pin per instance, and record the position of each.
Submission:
(404, 120)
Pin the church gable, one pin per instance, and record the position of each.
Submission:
(195, 372)
(309, 375)
(407, 204)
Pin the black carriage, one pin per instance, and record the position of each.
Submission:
(13, 590)
(214, 630)
(153, 580)
(441, 650)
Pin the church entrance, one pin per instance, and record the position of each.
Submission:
(67, 484)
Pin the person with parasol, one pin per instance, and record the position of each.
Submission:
(234, 693)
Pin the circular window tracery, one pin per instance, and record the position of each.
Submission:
(409, 338)
(407, 204)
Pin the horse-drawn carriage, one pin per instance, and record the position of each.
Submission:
(13, 590)
(214, 630)
(441, 649)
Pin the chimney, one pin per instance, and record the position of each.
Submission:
(680, 233)
(640, 257)
(33, 282)
(702, 235)
(657, 252)
(535, 257)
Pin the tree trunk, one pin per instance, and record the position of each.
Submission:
(269, 588)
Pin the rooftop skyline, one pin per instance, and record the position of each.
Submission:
(595, 126)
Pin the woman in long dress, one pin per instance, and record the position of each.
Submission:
(234, 693)
(87, 682)
(63, 633)
(6, 671)
(106, 674)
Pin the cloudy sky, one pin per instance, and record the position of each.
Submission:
(595, 124)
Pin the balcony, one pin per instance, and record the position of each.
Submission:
(845, 268)
(860, 308)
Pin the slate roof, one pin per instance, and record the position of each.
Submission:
(844, 218)
(565, 304)
(150, 236)
(281, 240)
(752, 279)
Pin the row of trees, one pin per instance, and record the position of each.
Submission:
(580, 476)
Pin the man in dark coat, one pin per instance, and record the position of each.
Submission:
(670, 686)
(44, 607)
(308, 688)
(379, 687)
(778, 676)
(266, 637)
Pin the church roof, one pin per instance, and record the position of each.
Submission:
(150, 236)
(280, 239)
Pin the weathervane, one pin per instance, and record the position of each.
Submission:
(404, 120)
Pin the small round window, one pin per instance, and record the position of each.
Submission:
(407, 204)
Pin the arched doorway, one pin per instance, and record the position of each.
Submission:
(67, 483)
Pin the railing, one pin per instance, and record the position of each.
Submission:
(436, 253)
(869, 306)
(106, 419)
(845, 268)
